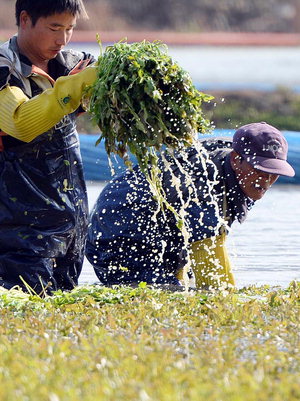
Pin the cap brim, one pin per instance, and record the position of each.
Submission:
(271, 166)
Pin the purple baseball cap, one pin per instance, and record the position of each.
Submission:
(264, 147)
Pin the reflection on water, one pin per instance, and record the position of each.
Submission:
(265, 249)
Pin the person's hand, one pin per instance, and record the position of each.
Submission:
(70, 89)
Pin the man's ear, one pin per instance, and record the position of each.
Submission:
(25, 19)
(235, 160)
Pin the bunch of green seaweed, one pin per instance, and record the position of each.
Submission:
(143, 102)
(98, 343)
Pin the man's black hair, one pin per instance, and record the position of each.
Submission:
(44, 8)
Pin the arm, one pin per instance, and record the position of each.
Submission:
(25, 118)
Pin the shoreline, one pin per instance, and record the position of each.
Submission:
(184, 38)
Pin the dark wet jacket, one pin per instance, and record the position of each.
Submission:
(43, 203)
(127, 244)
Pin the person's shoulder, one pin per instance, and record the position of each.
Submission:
(4, 74)
(7, 64)
(4, 67)
(218, 148)
(7, 78)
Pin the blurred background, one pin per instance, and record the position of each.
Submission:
(187, 16)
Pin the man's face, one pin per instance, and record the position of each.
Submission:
(48, 36)
(254, 183)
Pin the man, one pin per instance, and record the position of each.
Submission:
(129, 241)
(43, 203)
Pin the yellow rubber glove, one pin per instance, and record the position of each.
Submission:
(25, 118)
(211, 264)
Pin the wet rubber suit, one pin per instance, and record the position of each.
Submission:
(43, 203)
(125, 244)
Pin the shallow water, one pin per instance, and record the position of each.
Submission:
(264, 250)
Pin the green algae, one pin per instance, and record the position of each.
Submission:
(97, 343)
(143, 100)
